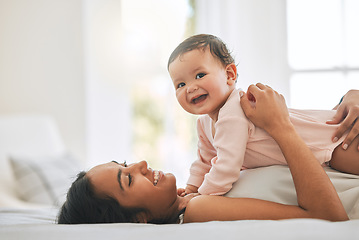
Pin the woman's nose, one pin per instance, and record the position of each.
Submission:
(142, 166)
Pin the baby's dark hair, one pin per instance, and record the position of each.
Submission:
(217, 47)
(83, 206)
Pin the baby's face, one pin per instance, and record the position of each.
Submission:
(201, 82)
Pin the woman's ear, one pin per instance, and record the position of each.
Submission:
(231, 71)
(142, 217)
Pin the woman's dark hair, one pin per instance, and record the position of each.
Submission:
(217, 47)
(83, 206)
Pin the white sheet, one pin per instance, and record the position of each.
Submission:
(303, 229)
(19, 216)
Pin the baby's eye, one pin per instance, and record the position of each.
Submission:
(200, 75)
(181, 85)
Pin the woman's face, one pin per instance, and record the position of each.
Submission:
(135, 186)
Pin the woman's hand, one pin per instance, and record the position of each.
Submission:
(265, 107)
(347, 114)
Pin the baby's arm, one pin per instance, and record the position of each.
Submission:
(230, 141)
(202, 165)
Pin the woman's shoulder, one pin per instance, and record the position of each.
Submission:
(204, 208)
(195, 208)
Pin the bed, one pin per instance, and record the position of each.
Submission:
(32, 143)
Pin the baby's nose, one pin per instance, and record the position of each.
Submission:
(192, 88)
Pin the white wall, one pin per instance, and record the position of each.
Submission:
(41, 64)
(108, 107)
(256, 32)
(63, 58)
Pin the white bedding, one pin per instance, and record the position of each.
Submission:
(271, 183)
(39, 225)
(289, 229)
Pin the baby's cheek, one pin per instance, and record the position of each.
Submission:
(180, 96)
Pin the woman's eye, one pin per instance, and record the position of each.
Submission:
(200, 75)
(181, 85)
(129, 179)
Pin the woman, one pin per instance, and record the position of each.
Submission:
(115, 192)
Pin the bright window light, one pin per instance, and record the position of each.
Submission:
(314, 33)
(323, 51)
(163, 133)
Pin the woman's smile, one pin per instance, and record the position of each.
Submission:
(157, 176)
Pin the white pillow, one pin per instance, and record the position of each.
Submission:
(44, 179)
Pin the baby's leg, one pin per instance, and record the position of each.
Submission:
(346, 160)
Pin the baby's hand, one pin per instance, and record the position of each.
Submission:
(191, 189)
(181, 192)
(188, 190)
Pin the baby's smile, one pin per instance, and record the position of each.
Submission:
(199, 99)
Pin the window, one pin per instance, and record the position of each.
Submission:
(163, 133)
(323, 51)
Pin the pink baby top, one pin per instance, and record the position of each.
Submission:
(238, 144)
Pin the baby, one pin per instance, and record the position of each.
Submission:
(204, 76)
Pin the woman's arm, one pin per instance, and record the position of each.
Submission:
(347, 114)
(316, 195)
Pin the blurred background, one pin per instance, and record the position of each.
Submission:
(98, 67)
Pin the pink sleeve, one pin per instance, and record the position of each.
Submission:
(230, 141)
(205, 153)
